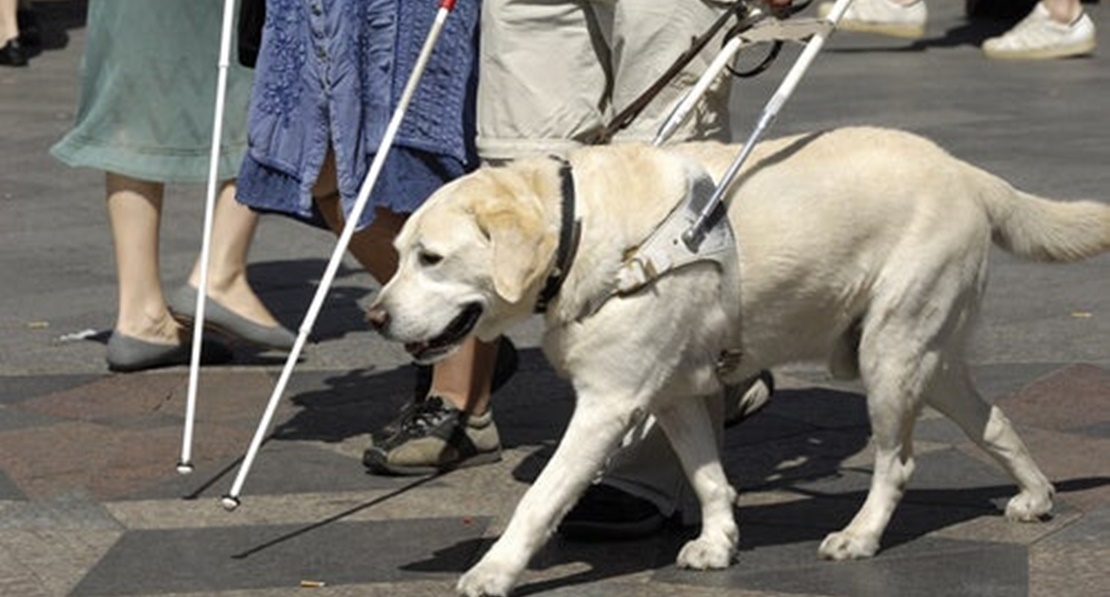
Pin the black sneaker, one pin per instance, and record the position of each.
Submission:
(746, 399)
(433, 438)
(503, 370)
(605, 513)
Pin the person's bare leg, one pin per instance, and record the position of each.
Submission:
(135, 213)
(9, 24)
(1063, 11)
(463, 379)
(233, 226)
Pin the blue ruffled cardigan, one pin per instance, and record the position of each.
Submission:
(332, 71)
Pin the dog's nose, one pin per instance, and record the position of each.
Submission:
(378, 317)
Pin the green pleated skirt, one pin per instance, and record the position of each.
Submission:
(148, 92)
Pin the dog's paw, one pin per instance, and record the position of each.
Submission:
(1028, 506)
(847, 546)
(486, 580)
(705, 554)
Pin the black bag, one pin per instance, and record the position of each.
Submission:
(252, 15)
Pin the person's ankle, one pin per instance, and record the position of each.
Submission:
(463, 403)
(236, 294)
(1064, 13)
(162, 329)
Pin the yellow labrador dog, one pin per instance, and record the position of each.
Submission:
(864, 248)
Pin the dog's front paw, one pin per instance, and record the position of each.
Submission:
(705, 554)
(486, 579)
(847, 546)
(1029, 507)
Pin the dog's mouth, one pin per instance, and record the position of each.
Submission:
(459, 328)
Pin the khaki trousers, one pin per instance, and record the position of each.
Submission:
(554, 72)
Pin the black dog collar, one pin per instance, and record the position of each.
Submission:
(569, 231)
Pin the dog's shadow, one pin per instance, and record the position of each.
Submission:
(801, 458)
(799, 451)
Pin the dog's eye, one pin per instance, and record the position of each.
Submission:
(428, 259)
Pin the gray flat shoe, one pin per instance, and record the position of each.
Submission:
(183, 305)
(127, 354)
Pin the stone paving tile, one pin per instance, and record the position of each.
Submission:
(1073, 562)
(57, 558)
(8, 489)
(926, 568)
(202, 560)
(1070, 399)
(17, 388)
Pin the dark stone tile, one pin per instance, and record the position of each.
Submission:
(810, 519)
(952, 477)
(1100, 429)
(939, 430)
(604, 560)
(12, 418)
(112, 397)
(927, 568)
(8, 490)
(72, 511)
(336, 552)
(280, 468)
(16, 388)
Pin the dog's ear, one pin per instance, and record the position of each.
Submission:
(521, 247)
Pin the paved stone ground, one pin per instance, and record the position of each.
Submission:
(90, 503)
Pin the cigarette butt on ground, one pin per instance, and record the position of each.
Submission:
(313, 584)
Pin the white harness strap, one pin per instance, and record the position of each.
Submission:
(664, 250)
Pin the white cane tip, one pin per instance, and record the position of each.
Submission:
(184, 468)
(230, 502)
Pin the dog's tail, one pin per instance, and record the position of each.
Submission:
(1047, 230)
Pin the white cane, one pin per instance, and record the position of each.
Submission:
(767, 117)
(185, 465)
(678, 239)
(231, 500)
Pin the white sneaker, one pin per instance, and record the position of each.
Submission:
(884, 17)
(1039, 36)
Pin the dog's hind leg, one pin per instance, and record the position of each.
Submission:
(955, 396)
(895, 368)
(593, 433)
(690, 431)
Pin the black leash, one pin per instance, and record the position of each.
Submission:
(629, 114)
(738, 10)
